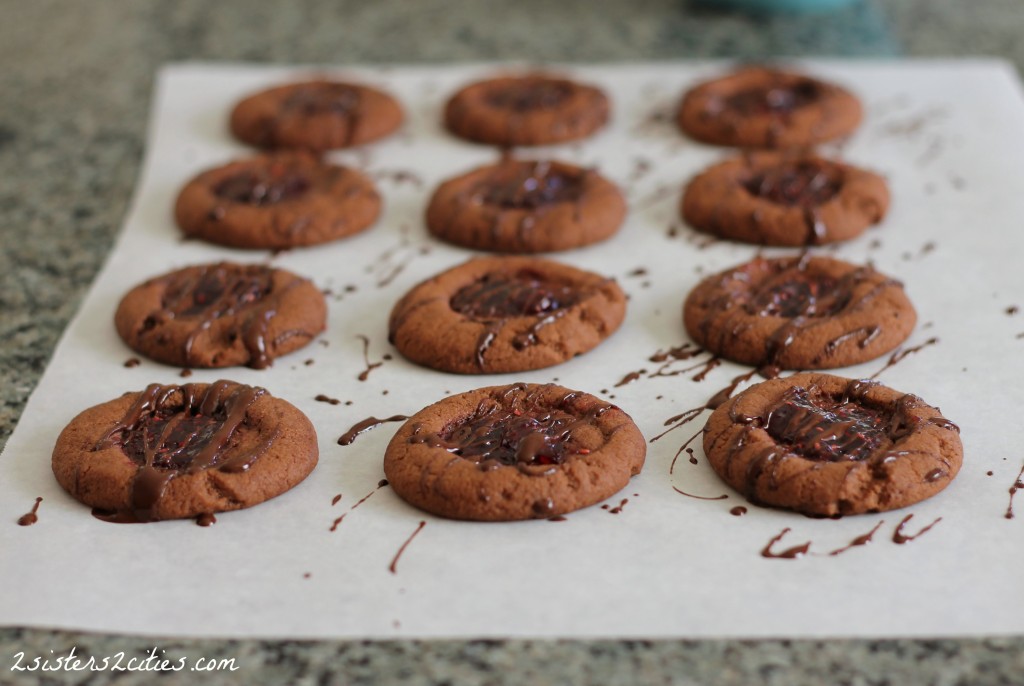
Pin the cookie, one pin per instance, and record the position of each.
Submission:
(316, 116)
(776, 199)
(221, 315)
(533, 109)
(513, 452)
(171, 452)
(759, 107)
(825, 445)
(525, 206)
(802, 312)
(277, 201)
(505, 314)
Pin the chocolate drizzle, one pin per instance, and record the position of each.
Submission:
(170, 431)
(209, 294)
(802, 183)
(519, 428)
(863, 539)
(496, 297)
(787, 554)
(393, 567)
(263, 186)
(1018, 484)
(32, 516)
(366, 425)
(524, 95)
(529, 186)
(900, 538)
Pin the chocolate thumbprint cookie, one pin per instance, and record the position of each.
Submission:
(533, 109)
(276, 201)
(505, 314)
(513, 452)
(787, 200)
(825, 445)
(520, 206)
(799, 313)
(759, 107)
(171, 452)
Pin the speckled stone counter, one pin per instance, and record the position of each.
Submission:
(77, 79)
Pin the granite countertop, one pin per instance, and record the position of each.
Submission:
(77, 80)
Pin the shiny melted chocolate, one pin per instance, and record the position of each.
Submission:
(500, 295)
(323, 98)
(520, 428)
(819, 427)
(773, 98)
(529, 187)
(170, 431)
(529, 94)
(797, 293)
(263, 187)
(804, 183)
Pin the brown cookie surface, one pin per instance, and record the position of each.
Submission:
(802, 312)
(316, 116)
(513, 452)
(759, 107)
(789, 200)
(825, 445)
(276, 201)
(532, 109)
(221, 315)
(521, 206)
(505, 314)
(171, 452)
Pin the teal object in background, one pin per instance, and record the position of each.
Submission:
(769, 6)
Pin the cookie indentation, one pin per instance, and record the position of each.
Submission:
(324, 98)
(531, 187)
(522, 294)
(260, 189)
(521, 96)
(774, 99)
(798, 295)
(821, 428)
(804, 183)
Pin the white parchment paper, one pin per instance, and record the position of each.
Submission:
(950, 138)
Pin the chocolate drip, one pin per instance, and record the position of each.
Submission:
(262, 187)
(1018, 484)
(206, 519)
(863, 539)
(31, 517)
(901, 354)
(900, 538)
(787, 554)
(805, 183)
(215, 292)
(519, 429)
(321, 398)
(699, 497)
(529, 94)
(366, 425)
(173, 430)
(738, 511)
(370, 366)
(530, 186)
(497, 297)
(393, 567)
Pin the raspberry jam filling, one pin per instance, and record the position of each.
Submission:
(326, 98)
(773, 99)
(818, 427)
(522, 96)
(216, 289)
(795, 293)
(263, 187)
(523, 294)
(803, 184)
(530, 187)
